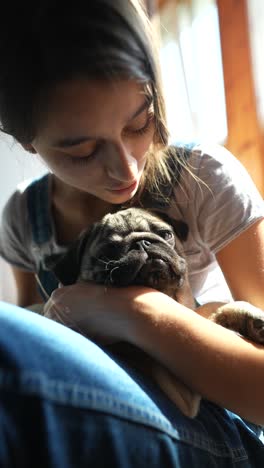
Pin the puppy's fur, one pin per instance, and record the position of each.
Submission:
(139, 247)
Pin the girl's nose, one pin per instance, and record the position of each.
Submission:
(120, 164)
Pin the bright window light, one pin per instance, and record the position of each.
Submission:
(192, 71)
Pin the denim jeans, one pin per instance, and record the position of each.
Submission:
(66, 403)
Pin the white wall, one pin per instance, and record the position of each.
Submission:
(16, 165)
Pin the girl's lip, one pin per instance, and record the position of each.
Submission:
(123, 189)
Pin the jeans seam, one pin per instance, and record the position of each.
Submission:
(92, 398)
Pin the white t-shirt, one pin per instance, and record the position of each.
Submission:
(216, 198)
(219, 207)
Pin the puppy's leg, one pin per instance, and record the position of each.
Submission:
(243, 318)
(184, 295)
(183, 397)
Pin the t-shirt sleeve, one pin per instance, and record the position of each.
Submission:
(227, 200)
(15, 235)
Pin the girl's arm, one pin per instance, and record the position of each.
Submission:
(26, 288)
(218, 364)
(242, 262)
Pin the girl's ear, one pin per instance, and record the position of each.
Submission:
(29, 148)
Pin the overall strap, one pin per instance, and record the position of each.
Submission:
(38, 204)
(38, 209)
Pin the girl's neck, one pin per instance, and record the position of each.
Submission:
(74, 210)
(66, 196)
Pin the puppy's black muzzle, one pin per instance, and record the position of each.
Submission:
(150, 263)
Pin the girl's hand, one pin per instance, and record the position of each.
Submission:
(102, 314)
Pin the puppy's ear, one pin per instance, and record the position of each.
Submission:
(180, 227)
(66, 267)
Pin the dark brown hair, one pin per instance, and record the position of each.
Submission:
(58, 41)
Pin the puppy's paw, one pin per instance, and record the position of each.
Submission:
(255, 329)
(243, 318)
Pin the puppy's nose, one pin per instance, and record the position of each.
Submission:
(142, 245)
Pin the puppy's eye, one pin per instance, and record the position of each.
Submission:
(112, 250)
(166, 235)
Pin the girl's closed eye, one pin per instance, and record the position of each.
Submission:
(86, 158)
(139, 128)
(82, 159)
(136, 131)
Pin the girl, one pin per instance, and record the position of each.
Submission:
(79, 86)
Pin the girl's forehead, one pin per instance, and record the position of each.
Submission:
(79, 90)
(92, 104)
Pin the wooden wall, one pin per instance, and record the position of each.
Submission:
(245, 136)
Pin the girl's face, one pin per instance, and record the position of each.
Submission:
(95, 136)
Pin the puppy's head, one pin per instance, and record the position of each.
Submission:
(129, 247)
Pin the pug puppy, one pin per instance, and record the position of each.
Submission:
(135, 246)
(130, 247)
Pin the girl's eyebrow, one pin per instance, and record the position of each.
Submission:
(68, 142)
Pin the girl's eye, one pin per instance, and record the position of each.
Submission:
(83, 159)
(141, 130)
(136, 130)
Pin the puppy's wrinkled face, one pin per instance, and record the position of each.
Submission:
(130, 247)
(134, 246)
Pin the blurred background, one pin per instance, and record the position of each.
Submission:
(211, 55)
(212, 71)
